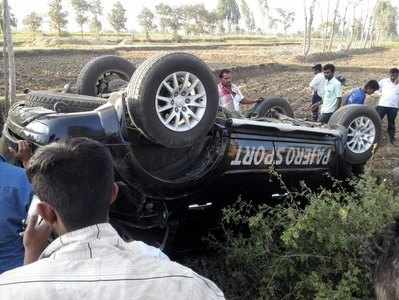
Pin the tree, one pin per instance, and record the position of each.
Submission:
(265, 10)
(175, 22)
(57, 16)
(13, 19)
(163, 10)
(334, 26)
(81, 8)
(33, 22)
(309, 18)
(146, 20)
(211, 20)
(229, 11)
(287, 18)
(248, 16)
(96, 10)
(117, 17)
(9, 59)
(170, 18)
(386, 19)
(198, 20)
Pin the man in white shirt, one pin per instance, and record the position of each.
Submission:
(230, 96)
(317, 87)
(74, 181)
(389, 101)
(332, 94)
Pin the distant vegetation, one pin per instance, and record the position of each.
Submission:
(339, 24)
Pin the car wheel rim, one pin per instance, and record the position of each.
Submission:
(181, 101)
(361, 135)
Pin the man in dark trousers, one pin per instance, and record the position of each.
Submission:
(317, 87)
(389, 101)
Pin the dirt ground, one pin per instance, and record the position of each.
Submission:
(47, 71)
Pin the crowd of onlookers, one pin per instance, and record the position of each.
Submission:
(74, 181)
(327, 95)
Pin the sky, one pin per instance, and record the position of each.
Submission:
(23, 7)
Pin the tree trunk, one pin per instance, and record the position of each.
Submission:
(5, 105)
(345, 21)
(333, 29)
(81, 31)
(327, 27)
(353, 30)
(308, 27)
(352, 36)
(10, 51)
(367, 37)
(305, 34)
(365, 26)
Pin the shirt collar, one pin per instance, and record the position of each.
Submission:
(2, 158)
(97, 231)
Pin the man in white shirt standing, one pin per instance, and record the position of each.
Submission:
(332, 94)
(389, 101)
(317, 87)
(74, 181)
(230, 96)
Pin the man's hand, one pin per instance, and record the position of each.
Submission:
(23, 154)
(260, 99)
(314, 106)
(35, 238)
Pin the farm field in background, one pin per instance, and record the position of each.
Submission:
(52, 70)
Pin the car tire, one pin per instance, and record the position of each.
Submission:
(364, 131)
(63, 102)
(265, 108)
(173, 99)
(95, 70)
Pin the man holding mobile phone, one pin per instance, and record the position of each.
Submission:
(74, 180)
(15, 198)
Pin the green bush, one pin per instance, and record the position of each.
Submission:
(320, 250)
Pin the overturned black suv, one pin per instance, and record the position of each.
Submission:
(175, 150)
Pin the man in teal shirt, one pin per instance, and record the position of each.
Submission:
(332, 96)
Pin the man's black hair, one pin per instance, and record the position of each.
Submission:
(75, 177)
(224, 71)
(330, 67)
(317, 67)
(372, 84)
(394, 71)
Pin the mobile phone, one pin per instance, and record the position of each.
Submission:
(33, 209)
